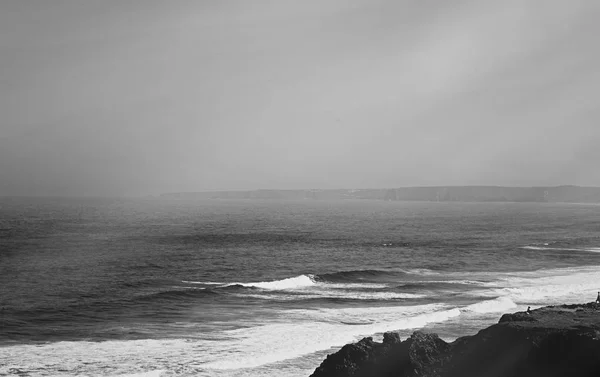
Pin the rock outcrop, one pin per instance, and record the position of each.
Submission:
(550, 342)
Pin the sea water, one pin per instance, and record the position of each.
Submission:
(156, 287)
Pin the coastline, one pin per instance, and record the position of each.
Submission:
(561, 340)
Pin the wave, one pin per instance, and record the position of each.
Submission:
(359, 285)
(316, 287)
(543, 248)
(375, 275)
(440, 284)
(541, 287)
(375, 279)
(354, 275)
(202, 282)
(334, 296)
(309, 287)
(296, 282)
(289, 283)
(176, 293)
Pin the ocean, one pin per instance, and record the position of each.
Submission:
(157, 287)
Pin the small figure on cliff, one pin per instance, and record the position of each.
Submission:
(598, 298)
(529, 310)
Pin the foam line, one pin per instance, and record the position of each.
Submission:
(500, 304)
(583, 249)
(202, 282)
(351, 295)
(548, 287)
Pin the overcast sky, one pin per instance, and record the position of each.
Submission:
(118, 97)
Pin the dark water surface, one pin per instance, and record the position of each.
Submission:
(167, 287)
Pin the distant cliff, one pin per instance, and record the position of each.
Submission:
(569, 194)
(550, 342)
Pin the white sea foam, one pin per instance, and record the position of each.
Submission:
(187, 288)
(382, 313)
(116, 358)
(421, 271)
(340, 294)
(293, 334)
(464, 282)
(545, 247)
(550, 248)
(308, 331)
(203, 282)
(548, 287)
(301, 281)
(289, 283)
(152, 373)
(353, 285)
(307, 283)
(306, 287)
(501, 304)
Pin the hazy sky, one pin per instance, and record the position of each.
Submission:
(127, 97)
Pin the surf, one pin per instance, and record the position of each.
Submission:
(303, 332)
(497, 305)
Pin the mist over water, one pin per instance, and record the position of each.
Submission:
(266, 288)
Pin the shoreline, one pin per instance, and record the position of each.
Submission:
(562, 340)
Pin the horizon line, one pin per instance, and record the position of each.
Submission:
(126, 196)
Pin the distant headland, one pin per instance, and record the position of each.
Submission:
(555, 194)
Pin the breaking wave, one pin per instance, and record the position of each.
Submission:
(301, 281)
(335, 286)
(342, 279)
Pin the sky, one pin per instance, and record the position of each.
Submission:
(141, 97)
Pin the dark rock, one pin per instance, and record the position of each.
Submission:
(393, 357)
(425, 350)
(350, 359)
(391, 338)
(363, 356)
(550, 342)
(516, 317)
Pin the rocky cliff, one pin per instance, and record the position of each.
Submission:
(551, 342)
